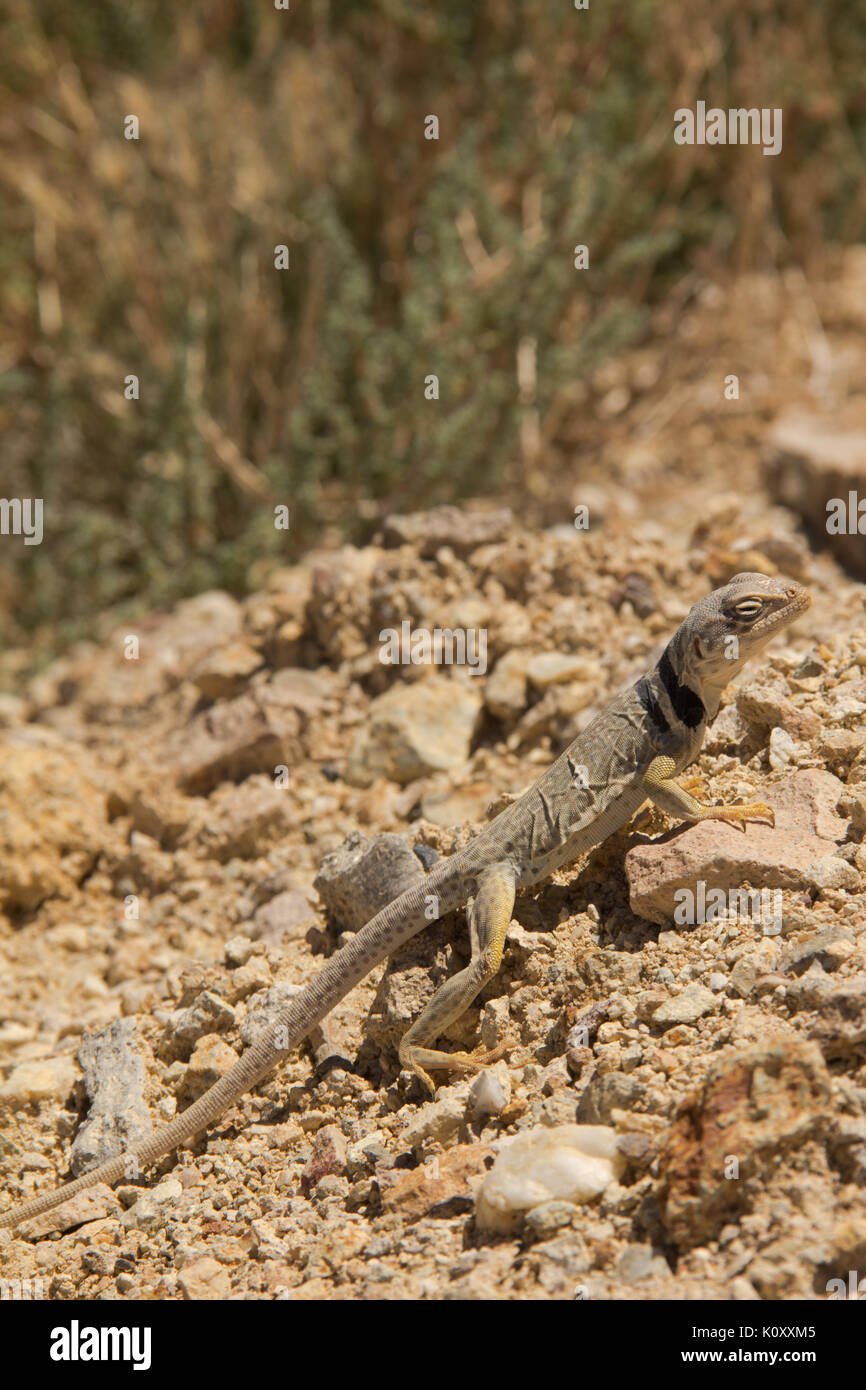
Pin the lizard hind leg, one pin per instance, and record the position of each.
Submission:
(489, 916)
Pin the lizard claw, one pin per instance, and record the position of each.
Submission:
(742, 814)
(757, 810)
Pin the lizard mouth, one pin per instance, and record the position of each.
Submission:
(799, 600)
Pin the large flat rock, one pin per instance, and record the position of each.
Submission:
(807, 832)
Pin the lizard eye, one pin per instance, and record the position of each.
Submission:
(748, 608)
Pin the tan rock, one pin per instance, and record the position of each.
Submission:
(14, 710)
(505, 692)
(53, 822)
(840, 1029)
(106, 683)
(225, 671)
(442, 1120)
(447, 808)
(91, 1205)
(559, 668)
(692, 1003)
(159, 810)
(244, 821)
(767, 705)
(413, 729)
(831, 871)
(211, 1059)
(286, 917)
(454, 527)
(554, 713)
(205, 1279)
(48, 1078)
(301, 693)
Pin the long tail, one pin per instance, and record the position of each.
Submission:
(382, 935)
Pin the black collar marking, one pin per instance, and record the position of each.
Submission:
(651, 707)
(687, 706)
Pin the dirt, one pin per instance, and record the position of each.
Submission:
(164, 812)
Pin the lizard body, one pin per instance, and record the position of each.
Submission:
(630, 752)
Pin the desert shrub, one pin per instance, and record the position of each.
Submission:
(408, 257)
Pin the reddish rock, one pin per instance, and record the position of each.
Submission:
(328, 1156)
(754, 1106)
(442, 1180)
(807, 830)
(228, 742)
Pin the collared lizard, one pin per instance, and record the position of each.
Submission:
(628, 753)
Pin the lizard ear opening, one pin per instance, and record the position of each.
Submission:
(697, 648)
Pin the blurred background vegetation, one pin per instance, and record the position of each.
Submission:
(408, 256)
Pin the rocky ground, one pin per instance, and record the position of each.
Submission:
(162, 890)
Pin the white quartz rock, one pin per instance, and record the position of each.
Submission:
(568, 1163)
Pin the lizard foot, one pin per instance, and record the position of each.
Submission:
(739, 815)
(449, 1061)
(473, 1061)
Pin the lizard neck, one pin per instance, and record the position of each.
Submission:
(686, 695)
(674, 702)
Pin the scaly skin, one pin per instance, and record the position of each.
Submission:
(630, 752)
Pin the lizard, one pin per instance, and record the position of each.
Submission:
(630, 752)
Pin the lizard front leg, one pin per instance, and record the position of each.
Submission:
(669, 796)
(489, 917)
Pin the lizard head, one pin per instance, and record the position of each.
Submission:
(731, 625)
